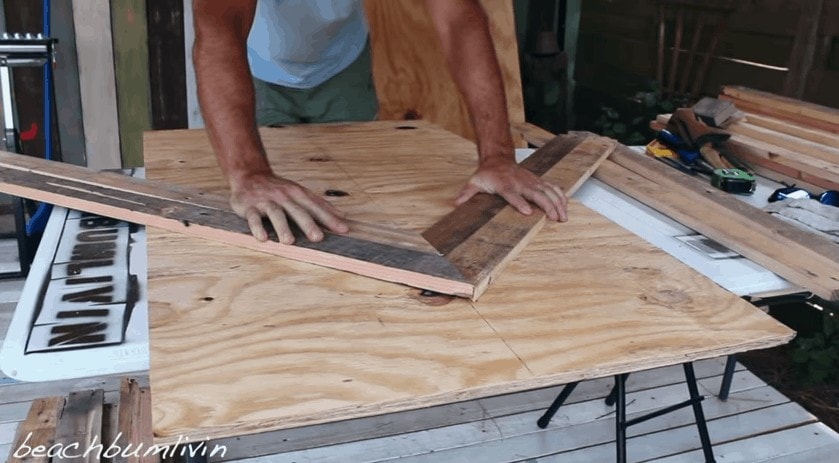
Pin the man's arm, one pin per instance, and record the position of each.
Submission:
(226, 95)
(467, 45)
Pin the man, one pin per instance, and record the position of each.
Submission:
(297, 49)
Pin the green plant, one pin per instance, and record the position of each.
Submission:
(632, 128)
(818, 355)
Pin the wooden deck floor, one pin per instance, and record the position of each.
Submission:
(756, 424)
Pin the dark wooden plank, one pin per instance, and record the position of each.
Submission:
(167, 68)
(37, 430)
(66, 81)
(79, 425)
(133, 424)
(461, 223)
(131, 69)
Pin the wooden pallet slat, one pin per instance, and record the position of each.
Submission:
(39, 429)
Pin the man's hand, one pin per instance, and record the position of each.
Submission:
(517, 186)
(266, 195)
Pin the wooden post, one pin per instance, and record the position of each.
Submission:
(804, 48)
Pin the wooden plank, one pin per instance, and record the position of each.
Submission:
(134, 422)
(813, 170)
(804, 48)
(131, 71)
(785, 104)
(800, 131)
(804, 258)
(413, 82)
(92, 20)
(66, 84)
(80, 425)
(19, 392)
(38, 429)
(486, 252)
(167, 64)
(798, 119)
(790, 142)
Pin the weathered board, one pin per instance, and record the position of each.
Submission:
(243, 343)
(471, 252)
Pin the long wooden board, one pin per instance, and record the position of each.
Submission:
(797, 255)
(471, 252)
(782, 103)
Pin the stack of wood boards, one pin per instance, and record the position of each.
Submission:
(787, 140)
(85, 424)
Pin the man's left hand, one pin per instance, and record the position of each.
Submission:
(517, 186)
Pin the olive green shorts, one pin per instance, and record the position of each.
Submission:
(347, 96)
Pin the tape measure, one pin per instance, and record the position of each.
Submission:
(733, 181)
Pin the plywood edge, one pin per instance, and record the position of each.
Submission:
(168, 437)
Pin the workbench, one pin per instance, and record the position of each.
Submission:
(243, 342)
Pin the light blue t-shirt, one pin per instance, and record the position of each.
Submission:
(303, 43)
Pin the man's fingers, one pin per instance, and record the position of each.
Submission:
(304, 220)
(466, 193)
(543, 199)
(324, 213)
(278, 220)
(516, 200)
(254, 219)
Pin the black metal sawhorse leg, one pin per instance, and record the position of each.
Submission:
(618, 396)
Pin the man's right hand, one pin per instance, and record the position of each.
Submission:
(280, 200)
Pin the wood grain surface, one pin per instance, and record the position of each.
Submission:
(242, 342)
(413, 82)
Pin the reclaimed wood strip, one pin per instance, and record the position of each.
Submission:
(461, 223)
(485, 254)
(782, 103)
(795, 118)
(66, 84)
(167, 64)
(796, 130)
(812, 169)
(92, 20)
(80, 424)
(133, 423)
(131, 70)
(39, 428)
(797, 255)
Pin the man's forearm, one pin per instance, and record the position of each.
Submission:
(226, 96)
(467, 45)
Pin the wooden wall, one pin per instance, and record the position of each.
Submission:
(618, 47)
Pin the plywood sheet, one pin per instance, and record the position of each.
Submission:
(413, 82)
(242, 343)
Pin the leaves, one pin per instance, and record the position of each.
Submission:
(818, 355)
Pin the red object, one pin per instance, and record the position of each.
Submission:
(30, 134)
